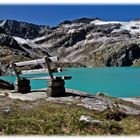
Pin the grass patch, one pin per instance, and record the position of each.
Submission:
(60, 119)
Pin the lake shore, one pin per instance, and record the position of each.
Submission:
(98, 101)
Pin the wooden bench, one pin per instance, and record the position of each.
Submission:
(55, 83)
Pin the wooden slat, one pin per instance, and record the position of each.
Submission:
(34, 71)
(40, 71)
(47, 78)
(35, 62)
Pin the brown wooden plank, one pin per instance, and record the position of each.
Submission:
(48, 67)
(15, 70)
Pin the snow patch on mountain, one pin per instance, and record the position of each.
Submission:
(2, 23)
(39, 38)
(71, 31)
(21, 40)
(100, 22)
(132, 26)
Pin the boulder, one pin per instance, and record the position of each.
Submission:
(90, 120)
(95, 104)
(6, 85)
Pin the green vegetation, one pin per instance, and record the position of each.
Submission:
(48, 118)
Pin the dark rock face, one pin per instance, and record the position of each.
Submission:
(84, 20)
(125, 56)
(2, 30)
(77, 36)
(21, 29)
(72, 39)
(80, 20)
(65, 22)
(106, 29)
(121, 32)
(6, 40)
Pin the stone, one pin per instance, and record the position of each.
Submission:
(56, 88)
(88, 119)
(7, 109)
(94, 103)
(55, 83)
(22, 85)
(56, 91)
(100, 94)
(32, 96)
(129, 110)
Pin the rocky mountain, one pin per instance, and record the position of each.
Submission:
(85, 41)
(21, 29)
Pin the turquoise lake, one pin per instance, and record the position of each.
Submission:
(114, 81)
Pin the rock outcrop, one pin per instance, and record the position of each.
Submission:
(125, 56)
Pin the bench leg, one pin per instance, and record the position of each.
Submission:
(22, 85)
(56, 88)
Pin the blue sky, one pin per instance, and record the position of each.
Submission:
(54, 14)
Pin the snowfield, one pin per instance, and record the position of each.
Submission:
(132, 26)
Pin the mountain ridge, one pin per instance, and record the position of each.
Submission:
(86, 41)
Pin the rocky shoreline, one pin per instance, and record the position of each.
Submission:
(99, 102)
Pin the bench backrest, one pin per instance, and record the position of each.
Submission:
(45, 60)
